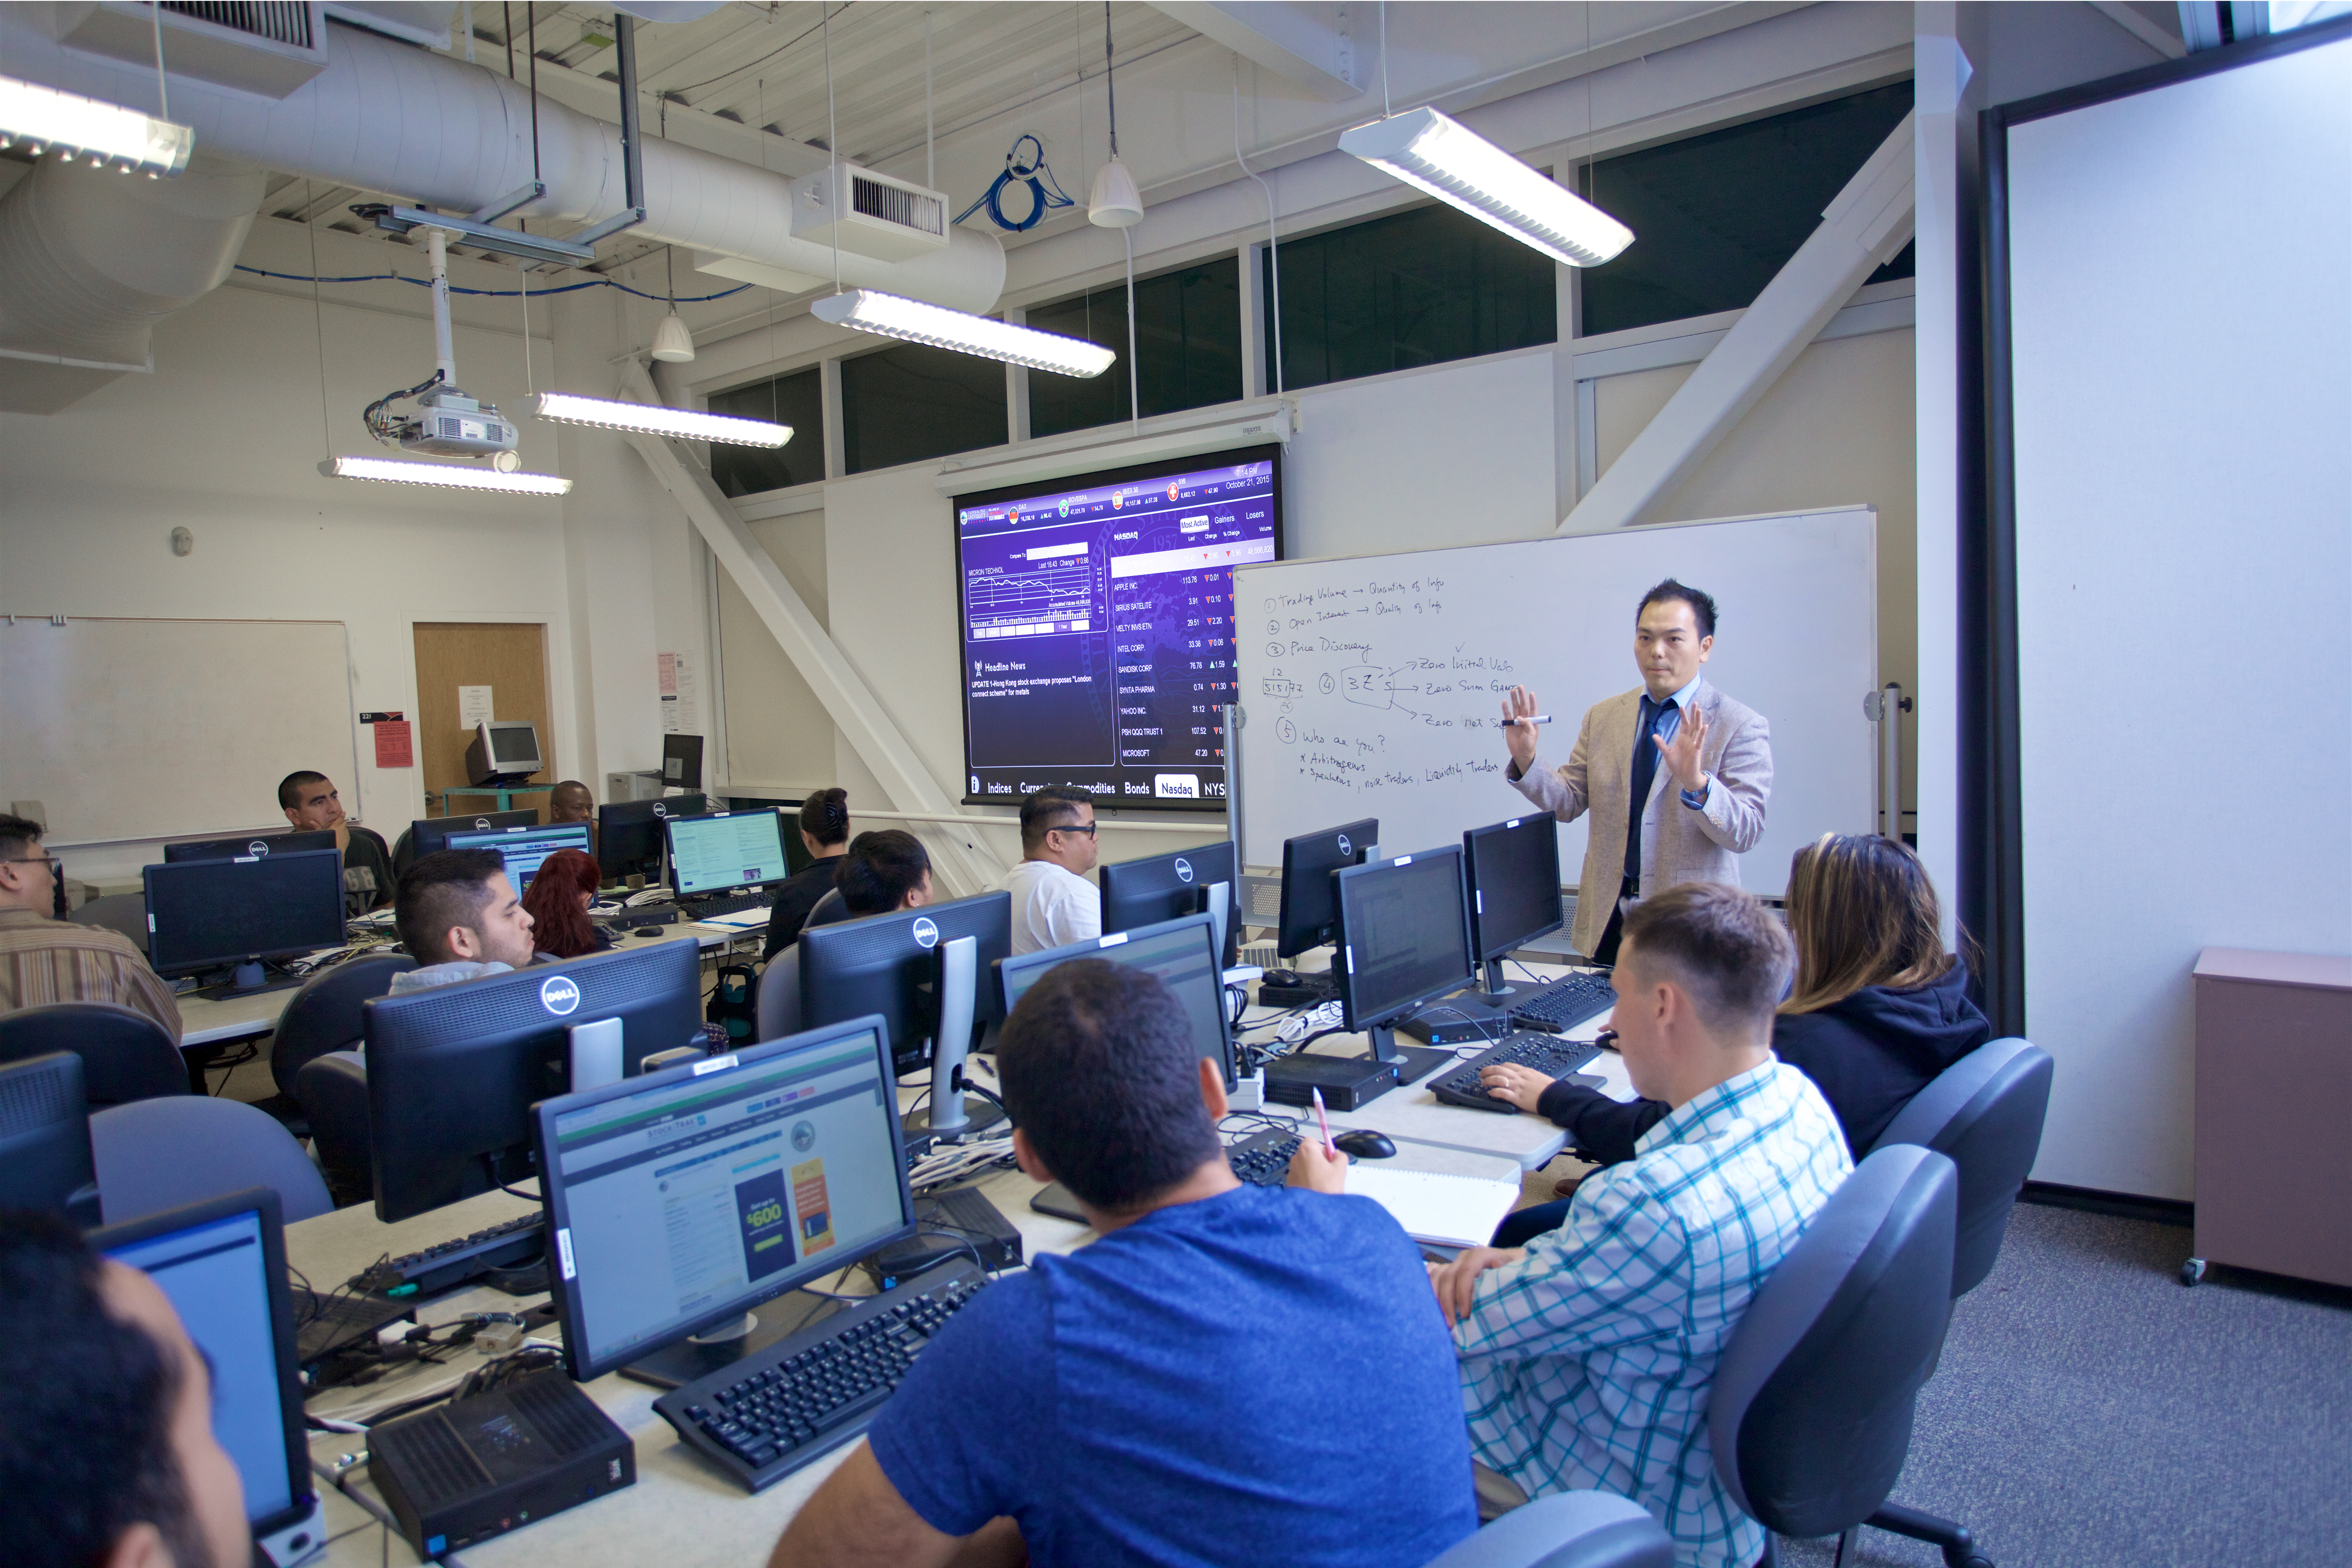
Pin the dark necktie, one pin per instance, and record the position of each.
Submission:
(1645, 773)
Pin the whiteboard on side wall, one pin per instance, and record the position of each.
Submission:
(1371, 685)
(163, 729)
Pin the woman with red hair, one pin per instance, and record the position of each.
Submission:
(558, 899)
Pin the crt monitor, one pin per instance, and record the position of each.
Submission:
(524, 848)
(1513, 872)
(1307, 862)
(1404, 940)
(681, 761)
(428, 835)
(629, 834)
(256, 845)
(45, 1156)
(503, 751)
(889, 964)
(1180, 951)
(725, 851)
(454, 1071)
(212, 914)
(1162, 887)
(683, 1198)
(222, 1264)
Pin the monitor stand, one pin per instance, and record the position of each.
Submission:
(245, 980)
(1412, 1064)
(700, 1355)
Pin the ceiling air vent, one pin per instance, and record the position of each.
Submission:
(886, 218)
(261, 47)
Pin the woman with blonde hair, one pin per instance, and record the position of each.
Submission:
(1877, 1009)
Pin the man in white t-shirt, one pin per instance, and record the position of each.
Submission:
(1053, 902)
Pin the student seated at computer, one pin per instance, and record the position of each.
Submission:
(557, 902)
(1586, 1357)
(313, 805)
(1053, 903)
(1878, 1010)
(573, 801)
(1231, 1373)
(883, 871)
(107, 1453)
(825, 830)
(44, 959)
(459, 919)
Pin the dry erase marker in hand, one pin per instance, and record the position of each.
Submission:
(1538, 718)
(1328, 1147)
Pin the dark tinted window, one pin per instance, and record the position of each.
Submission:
(1414, 288)
(1715, 216)
(1188, 334)
(906, 404)
(797, 400)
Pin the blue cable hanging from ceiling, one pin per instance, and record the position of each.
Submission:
(1044, 191)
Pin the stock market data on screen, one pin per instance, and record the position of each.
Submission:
(1098, 631)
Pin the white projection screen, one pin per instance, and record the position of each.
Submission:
(2179, 316)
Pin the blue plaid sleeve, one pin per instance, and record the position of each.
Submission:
(1616, 1271)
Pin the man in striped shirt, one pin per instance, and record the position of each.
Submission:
(44, 959)
(1587, 1355)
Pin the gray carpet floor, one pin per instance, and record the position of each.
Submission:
(2090, 1411)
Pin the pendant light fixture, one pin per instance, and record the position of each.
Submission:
(1115, 202)
(1458, 167)
(672, 343)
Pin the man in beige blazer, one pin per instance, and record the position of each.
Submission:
(1700, 764)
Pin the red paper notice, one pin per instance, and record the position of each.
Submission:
(393, 747)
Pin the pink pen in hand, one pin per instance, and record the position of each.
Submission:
(1328, 1147)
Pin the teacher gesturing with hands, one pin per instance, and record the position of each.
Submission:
(1675, 774)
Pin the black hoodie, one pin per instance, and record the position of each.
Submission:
(1868, 1054)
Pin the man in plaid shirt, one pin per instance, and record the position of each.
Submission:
(1587, 1355)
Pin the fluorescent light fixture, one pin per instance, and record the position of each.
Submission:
(895, 317)
(1455, 164)
(448, 476)
(681, 422)
(48, 121)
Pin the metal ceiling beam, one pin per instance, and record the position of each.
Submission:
(1268, 34)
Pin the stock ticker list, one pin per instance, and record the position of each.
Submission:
(1098, 632)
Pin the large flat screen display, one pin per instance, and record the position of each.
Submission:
(1098, 628)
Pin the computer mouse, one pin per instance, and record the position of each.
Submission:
(647, 930)
(1365, 1144)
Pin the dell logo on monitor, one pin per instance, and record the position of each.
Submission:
(927, 933)
(560, 996)
(1346, 848)
(660, 810)
(257, 849)
(481, 825)
(1183, 869)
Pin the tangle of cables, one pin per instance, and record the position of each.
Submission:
(381, 422)
(1044, 191)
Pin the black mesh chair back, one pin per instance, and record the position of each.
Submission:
(1984, 1114)
(324, 1015)
(125, 1055)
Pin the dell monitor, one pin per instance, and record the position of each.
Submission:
(523, 848)
(45, 1155)
(1181, 952)
(724, 851)
(915, 968)
(254, 845)
(454, 1071)
(503, 751)
(1513, 870)
(1307, 862)
(428, 834)
(1404, 940)
(1201, 880)
(222, 1264)
(682, 1199)
(629, 834)
(216, 914)
(681, 761)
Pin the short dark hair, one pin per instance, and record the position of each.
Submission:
(86, 1408)
(290, 787)
(825, 815)
(19, 834)
(882, 868)
(1702, 604)
(1055, 805)
(1101, 1069)
(447, 887)
(1720, 945)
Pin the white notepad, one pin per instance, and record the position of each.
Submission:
(1445, 1211)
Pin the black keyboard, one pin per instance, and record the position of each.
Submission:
(509, 1244)
(1548, 1054)
(778, 1409)
(1263, 1159)
(1563, 1003)
(723, 904)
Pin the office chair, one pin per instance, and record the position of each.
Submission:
(45, 1158)
(1810, 1413)
(1984, 1112)
(333, 1092)
(124, 912)
(157, 1154)
(1569, 1530)
(125, 1055)
(323, 1017)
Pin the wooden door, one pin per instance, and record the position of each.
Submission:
(511, 660)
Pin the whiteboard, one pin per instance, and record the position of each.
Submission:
(1370, 685)
(159, 729)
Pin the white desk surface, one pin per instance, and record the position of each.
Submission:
(681, 1513)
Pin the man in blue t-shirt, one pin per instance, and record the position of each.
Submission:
(1230, 1373)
